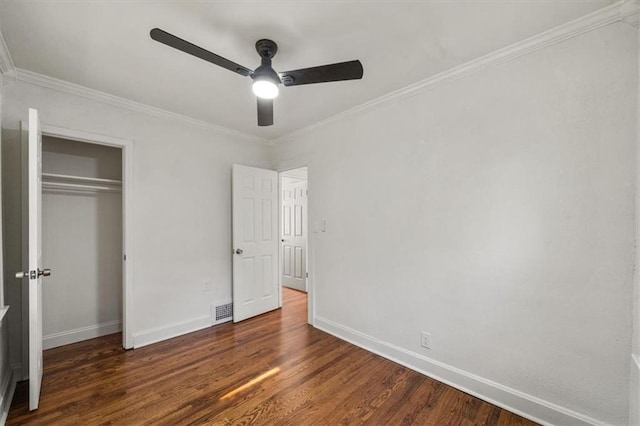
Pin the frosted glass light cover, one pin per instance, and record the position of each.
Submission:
(265, 89)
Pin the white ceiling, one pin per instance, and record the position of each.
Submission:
(105, 45)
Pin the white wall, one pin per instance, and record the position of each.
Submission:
(497, 213)
(82, 244)
(62, 156)
(181, 204)
(634, 399)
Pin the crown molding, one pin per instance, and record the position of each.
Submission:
(630, 13)
(6, 63)
(600, 18)
(96, 95)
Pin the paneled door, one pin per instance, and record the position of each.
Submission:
(294, 234)
(255, 241)
(32, 276)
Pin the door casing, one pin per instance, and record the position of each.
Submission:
(127, 224)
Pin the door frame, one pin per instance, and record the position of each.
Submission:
(305, 225)
(127, 214)
(310, 270)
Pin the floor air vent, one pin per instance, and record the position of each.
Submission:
(223, 313)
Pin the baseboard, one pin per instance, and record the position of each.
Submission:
(159, 334)
(7, 388)
(18, 374)
(523, 404)
(79, 334)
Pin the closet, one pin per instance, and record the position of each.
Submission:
(82, 240)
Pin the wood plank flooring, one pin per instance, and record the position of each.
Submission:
(273, 369)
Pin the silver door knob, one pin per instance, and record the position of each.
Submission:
(41, 272)
(239, 251)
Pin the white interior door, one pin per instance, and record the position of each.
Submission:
(294, 234)
(255, 241)
(33, 276)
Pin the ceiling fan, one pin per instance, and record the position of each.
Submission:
(265, 78)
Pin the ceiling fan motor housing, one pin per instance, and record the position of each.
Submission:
(266, 49)
(265, 72)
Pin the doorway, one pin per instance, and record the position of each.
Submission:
(294, 228)
(123, 189)
(269, 239)
(82, 240)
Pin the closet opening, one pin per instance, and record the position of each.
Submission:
(82, 240)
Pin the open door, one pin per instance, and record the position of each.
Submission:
(33, 276)
(255, 241)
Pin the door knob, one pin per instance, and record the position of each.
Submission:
(32, 274)
(239, 251)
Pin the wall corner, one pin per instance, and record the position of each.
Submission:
(630, 12)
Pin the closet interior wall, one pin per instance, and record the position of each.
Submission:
(82, 240)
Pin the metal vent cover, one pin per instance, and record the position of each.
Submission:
(224, 311)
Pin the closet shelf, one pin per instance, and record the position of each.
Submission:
(52, 181)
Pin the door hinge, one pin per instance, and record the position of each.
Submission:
(307, 275)
(125, 257)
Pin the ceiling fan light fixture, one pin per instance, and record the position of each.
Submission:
(265, 78)
(265, 89)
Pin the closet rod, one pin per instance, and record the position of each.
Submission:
(75, 186)
(53, 177)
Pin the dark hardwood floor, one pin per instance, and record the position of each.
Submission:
(273, 369)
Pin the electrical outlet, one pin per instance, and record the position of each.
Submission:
(206, 286)
(426, 340)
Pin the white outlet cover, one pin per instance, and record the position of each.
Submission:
(425, 340)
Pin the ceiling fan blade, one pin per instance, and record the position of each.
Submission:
(177, 43)
(351, 70)
(265, 112)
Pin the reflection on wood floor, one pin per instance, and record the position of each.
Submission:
(273, 369)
